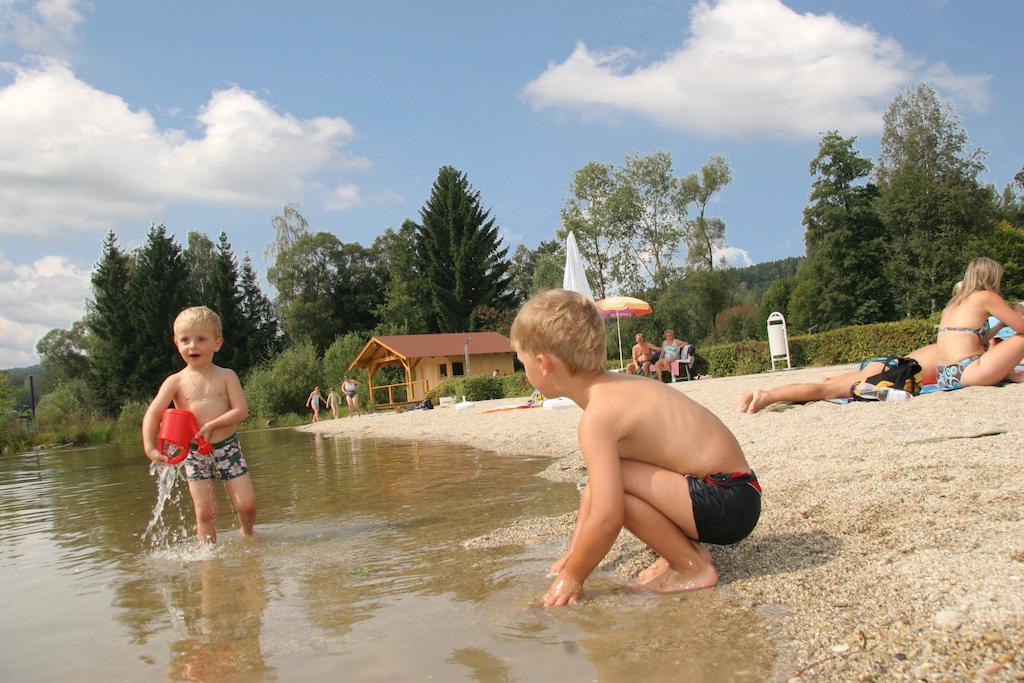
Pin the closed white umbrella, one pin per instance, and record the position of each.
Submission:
(575, 277)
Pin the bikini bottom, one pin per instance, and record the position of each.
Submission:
(951, 376)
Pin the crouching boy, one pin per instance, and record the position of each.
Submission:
(658, 463)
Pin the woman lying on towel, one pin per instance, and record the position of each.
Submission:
(964, 331)
(835, 386)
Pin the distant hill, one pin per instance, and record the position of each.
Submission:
(760, 275)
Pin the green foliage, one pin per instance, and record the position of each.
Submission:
(260, 338)
(483, 387)
(844, 345)
(598, 212)
(339, 356)
(655, 224)
(281, 385)
(932, 205)
(1006, 245)
(111, 357)
(404, 306)
(225, 298)
(760, 276)
(464, 266)
(325, 288)
(843, 279)
(129, 422)
(200, 257)
(776, 297)
(157, 296)
(65, 415)
(63, 352)
(703, 234)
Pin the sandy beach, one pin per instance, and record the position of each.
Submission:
(890, 544)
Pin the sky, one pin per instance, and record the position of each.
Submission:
(212, 116)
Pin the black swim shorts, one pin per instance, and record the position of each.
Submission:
(726, 507)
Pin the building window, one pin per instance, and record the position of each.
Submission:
(443, 369)
(457, 369)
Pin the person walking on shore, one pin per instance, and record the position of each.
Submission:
(313, 402)
(350, 388)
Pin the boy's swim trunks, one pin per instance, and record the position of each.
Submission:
(226, 461)
(726, 507)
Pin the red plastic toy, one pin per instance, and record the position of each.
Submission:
(178, 428)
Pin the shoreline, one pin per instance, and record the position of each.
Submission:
(889, 544)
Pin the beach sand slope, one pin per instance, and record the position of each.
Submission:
(890, 543)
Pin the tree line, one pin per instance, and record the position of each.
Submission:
(884, 240)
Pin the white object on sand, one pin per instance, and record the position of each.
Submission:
(561, 402)
(464, 404)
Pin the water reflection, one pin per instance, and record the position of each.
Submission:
(221, 630)
(358, 568)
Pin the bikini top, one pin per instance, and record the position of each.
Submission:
(980, 331)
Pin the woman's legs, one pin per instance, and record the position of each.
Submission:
(996, 364)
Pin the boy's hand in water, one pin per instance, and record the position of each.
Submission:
(556, 567)
(564, 590)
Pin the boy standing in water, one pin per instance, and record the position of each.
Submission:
(214, 395)
(658, 463)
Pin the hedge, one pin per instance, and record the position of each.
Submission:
(844, 345)
(483, 387)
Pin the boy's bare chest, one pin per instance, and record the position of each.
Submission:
(197, 393)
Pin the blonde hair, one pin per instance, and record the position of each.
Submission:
(982, 275)
(200, 315)
(564, 324)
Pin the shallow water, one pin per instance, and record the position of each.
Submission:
(359, 572)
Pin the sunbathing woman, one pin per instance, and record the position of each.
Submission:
(964, 331)
(836, 386)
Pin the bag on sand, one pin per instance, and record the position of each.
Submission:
(899, 373)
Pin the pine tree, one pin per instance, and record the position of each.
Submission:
(258, 322)
(226, 299)
(110, 330)
(159, 290)
(464, 266)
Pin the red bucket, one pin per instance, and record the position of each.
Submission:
(178, 428)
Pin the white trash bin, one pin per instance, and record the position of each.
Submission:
(778, 340)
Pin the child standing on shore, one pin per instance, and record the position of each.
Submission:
(658, 463)
(214, 395)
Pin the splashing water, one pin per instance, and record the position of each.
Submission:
(159, 532)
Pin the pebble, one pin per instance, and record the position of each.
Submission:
(948, 620)
(992, 637)
(995, 668)
(840, 648)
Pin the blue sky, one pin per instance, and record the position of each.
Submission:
(211, 116)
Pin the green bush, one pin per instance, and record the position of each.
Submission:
(483, 388)
(282, 384)
(515, 385)
(129, 421)
(843, 345)
(449, 387)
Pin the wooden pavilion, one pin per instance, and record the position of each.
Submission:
(429, 359)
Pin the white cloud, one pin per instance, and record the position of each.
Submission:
(748, 67)
(969, 90)
(734, 256)
(73, 156)
(42, 27)
(343, 197)
(34, 299)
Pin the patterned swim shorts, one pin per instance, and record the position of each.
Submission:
(226, 461)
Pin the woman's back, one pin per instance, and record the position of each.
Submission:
(963, 326)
